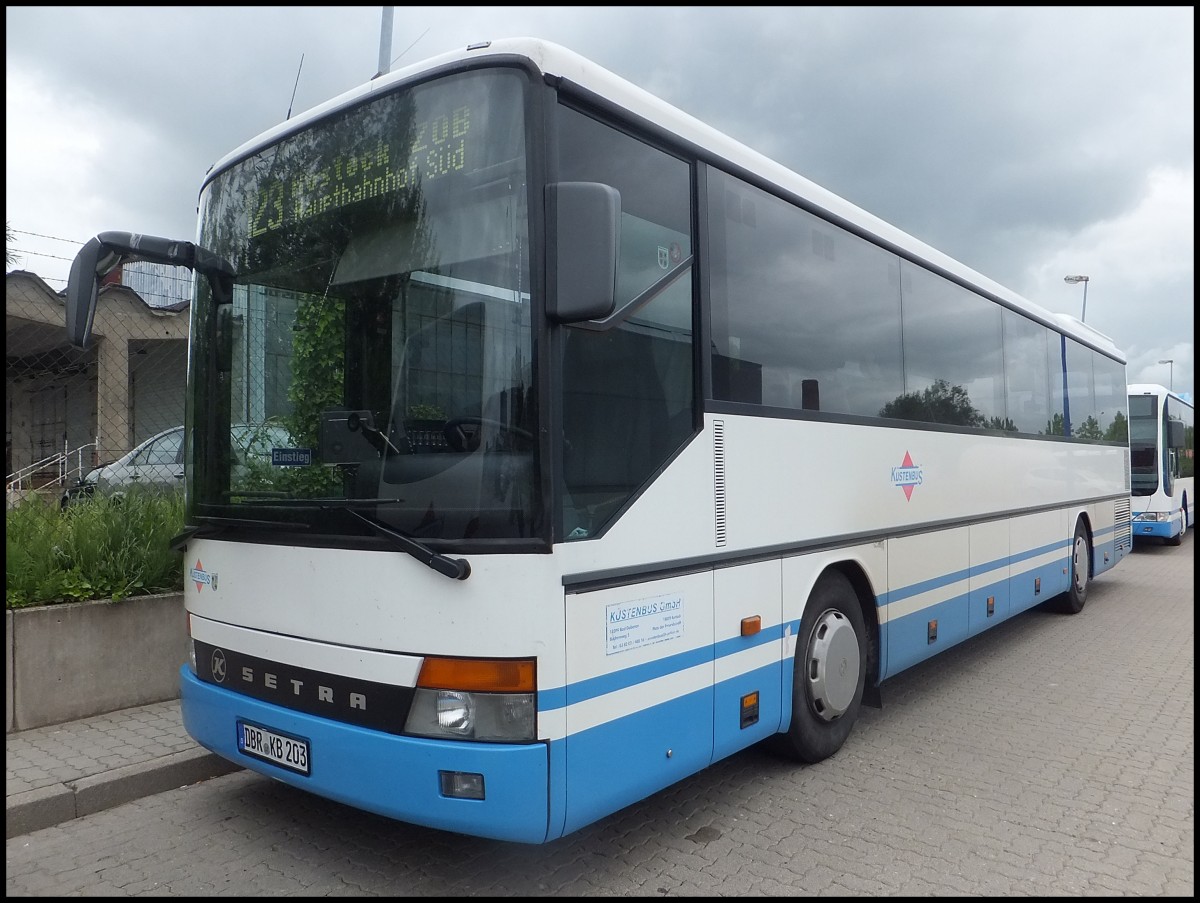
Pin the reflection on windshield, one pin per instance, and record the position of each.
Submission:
(382, 318)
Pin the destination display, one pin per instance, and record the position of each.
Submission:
(430, 149)
(386, 156)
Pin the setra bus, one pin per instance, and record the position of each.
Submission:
(1162, 458)
(614, 448)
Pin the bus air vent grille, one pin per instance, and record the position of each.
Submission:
(1123, 524)
(719, 478)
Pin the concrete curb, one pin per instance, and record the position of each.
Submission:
(44, 807)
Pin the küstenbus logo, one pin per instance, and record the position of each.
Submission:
(906, 476)
(203, 578)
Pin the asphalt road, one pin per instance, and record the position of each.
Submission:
(1052, 756)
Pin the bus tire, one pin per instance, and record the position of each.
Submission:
(830, 671)
(1075, 597)
(1177, 539)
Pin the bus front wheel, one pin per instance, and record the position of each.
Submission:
(830, 671)
(1177, 539)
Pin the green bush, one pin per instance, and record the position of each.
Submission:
(99, 548)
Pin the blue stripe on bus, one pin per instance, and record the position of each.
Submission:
(602, 685)
(766, 635)
(916, 589)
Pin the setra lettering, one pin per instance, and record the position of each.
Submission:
(323, 693)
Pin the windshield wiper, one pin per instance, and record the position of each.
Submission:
(454, 568)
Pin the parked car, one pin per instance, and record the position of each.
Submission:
(157, 464)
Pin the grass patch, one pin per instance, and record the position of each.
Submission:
(100, 548)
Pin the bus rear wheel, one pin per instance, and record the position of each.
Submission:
(830, 671)
(1073, 599)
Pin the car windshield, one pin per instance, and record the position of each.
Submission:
(380, 321)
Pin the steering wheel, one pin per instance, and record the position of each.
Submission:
(460, 439)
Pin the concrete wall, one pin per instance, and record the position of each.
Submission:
(64, 662)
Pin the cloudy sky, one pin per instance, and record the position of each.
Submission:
(1028, 143)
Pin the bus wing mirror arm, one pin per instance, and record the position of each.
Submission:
(104, 253)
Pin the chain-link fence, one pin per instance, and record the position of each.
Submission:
(120, 402)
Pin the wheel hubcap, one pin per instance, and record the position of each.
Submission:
(833, 665)
(1081, 563)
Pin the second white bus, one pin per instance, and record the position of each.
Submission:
(1162, 449)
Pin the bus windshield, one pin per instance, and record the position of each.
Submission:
(1143, 444)
(380, 319)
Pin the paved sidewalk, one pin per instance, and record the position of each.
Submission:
(64, 771)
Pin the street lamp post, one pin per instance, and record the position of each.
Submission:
(1071, 280)
(1170, 361)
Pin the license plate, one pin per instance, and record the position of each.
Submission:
(270, 746)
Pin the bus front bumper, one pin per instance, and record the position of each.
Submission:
(1162, 529)
(398, 777)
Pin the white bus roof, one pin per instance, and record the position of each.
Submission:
(1157, 389)
(558, 62)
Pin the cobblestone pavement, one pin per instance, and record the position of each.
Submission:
(1052, 756)
(66, 753)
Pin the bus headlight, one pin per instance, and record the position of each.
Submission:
(455, 711)
(473, 699)
(494, 717)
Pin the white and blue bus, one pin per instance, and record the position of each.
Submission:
(615, 448)
(1162, 458)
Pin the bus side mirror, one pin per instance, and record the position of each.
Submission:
(103, 253)
(1175, 434)
(583, 223)
(90, 265)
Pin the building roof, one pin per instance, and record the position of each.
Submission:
(35, 316)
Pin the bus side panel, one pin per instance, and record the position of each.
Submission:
(1041, 558)
(989, 602)
(928, 577)
(622, 762)
(390, 775)
(639, 693)
(1107, 547)
(749, 689)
